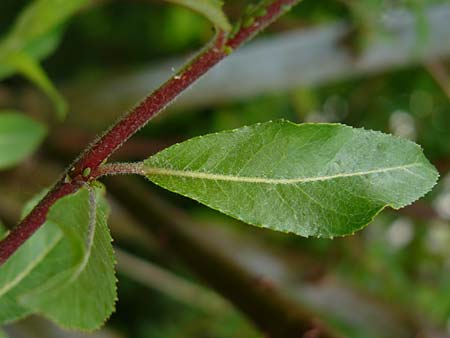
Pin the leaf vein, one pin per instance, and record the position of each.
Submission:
(265, 180)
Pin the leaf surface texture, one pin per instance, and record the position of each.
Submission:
(321, 180)
(65, 271)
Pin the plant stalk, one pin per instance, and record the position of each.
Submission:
(84, 168)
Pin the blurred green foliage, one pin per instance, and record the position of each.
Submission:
(33, 36)
(20, 133)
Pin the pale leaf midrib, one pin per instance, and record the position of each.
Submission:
(264, 180)
(89, 236)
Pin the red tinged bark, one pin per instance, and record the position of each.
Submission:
(86, 167)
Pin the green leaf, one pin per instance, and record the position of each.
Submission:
(3, 230)
(40, 17)
(25, 270)
(3, 334)
(320, 180)
(19, 137)
(211, 9)
(35, 34)
(37, 49)
(34, 72)
(66, 270)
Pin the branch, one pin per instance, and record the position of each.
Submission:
(440, 75)
(154, 277)
(67, 142)
(303, 57)
(80, 172)
(125, 227)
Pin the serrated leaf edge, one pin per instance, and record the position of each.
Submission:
(280, 121)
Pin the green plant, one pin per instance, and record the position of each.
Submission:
(321, 180)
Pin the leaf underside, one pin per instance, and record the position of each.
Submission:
(65, 271)
(321, 180)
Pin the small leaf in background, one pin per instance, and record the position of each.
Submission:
(42, 16)
(19, 138)
(211, 9)
(38, 49)
(66, 270)
(34, 72)
(35, 34)
(320, 180)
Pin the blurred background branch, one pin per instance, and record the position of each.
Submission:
(303, 58)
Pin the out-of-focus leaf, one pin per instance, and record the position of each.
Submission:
(40, 17)
(66, 270)
(3, 230)
(319, 180)
(37, 49)
(19, 137)
(34, 72)
(211, 9)
(36, 34)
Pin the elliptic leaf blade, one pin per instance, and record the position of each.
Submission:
(321, 180)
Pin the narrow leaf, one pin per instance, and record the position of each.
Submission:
(37, 49)
(34, 35)
(321, 180)
(41, 16)
(19, 137)
(34, 72)
(211, 9)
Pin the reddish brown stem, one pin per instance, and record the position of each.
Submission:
(34, 219)
(85, 168)
(148, 108)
